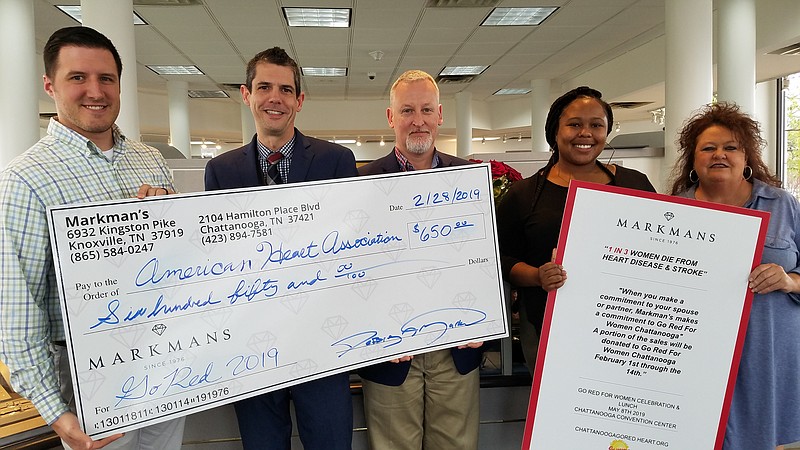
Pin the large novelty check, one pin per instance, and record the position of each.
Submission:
(177, 304)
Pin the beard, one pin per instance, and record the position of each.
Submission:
(418, 145)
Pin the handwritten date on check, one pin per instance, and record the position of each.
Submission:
(182, 303)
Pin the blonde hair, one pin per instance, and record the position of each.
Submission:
(409, 76)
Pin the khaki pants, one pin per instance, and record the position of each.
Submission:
(435, 408)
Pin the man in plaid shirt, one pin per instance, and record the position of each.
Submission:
(84, 157)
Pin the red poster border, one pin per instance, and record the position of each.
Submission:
(562, 239)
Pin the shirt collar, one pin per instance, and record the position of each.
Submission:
(405, 164)
(77, 140)
(286, 149)
(760, 189)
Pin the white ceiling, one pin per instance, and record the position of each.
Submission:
(220, 36)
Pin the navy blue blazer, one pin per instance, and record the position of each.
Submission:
(394, 374)
(312, 159)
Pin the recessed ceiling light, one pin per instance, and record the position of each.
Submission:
(207, 94)
(176, 70)
(462, 70)
(518, 16)
(74, 11)
(511, 91)
(317, 17)
(343, 141)
(324, 71)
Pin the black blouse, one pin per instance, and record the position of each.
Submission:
(528, 227)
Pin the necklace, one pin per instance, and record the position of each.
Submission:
(596, 175)
(558, 175)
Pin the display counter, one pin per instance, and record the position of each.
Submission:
(20, 424)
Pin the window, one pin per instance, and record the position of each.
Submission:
(791, 134)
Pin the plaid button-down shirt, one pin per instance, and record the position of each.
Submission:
(62, 168)
(283, 163)
(405, 164)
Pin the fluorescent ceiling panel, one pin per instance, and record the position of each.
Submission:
(208, 94)
(176, 70)
(324, 71)
(517, 16)
(317, 17)
(510, 91)
(462, 70)
(74, 11)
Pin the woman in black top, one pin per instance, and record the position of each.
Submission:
(529, 215)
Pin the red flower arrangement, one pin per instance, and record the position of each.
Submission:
(503, 176)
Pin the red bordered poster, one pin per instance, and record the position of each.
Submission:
(640, 348)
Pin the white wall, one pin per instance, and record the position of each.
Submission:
(220, 117)
(633, 71)
(777, 22)
(766, 115)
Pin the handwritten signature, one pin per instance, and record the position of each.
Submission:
(436, 322)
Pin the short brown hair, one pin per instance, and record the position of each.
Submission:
(277, 56)
(77, 37)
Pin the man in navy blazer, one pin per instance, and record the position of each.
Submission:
(428, 401)
(323, 407)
